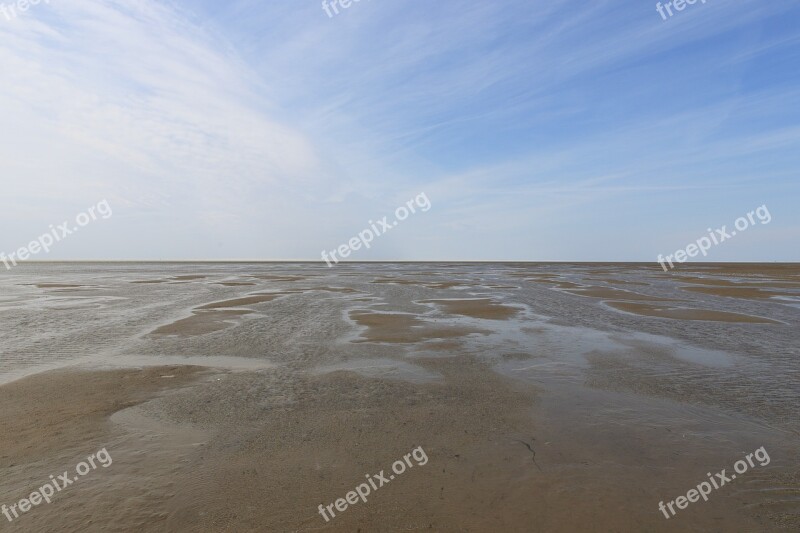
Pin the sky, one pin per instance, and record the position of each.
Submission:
(581, 130)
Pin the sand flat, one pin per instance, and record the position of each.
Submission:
(569, 416)
(201, 322)
(716, 282)
(341, 290)
(740, 292)
(484, 308)
(60, 286)
(611, 281)
(243, 301)
(422, 283)
(610, 293)
(36, 421)
(474, 427)
(682, 313)
(560, 284)
(403, 328)
(273, 277)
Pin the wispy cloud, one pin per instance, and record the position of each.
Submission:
(253, 130)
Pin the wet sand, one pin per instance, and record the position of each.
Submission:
(539, 408)
(201, 322)
(56, 411)
(403, 328)
(678, 313)
(609, 293)
(737, 292)
(476, 308)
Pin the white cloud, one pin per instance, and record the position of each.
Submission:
(128, 99)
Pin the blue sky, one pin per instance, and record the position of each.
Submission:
(560, 130)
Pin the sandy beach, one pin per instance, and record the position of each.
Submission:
(546, 397)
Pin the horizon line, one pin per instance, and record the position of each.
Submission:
(45, 261)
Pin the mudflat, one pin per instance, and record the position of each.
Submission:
(546, 397)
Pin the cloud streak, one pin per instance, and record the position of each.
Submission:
(255, 131)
